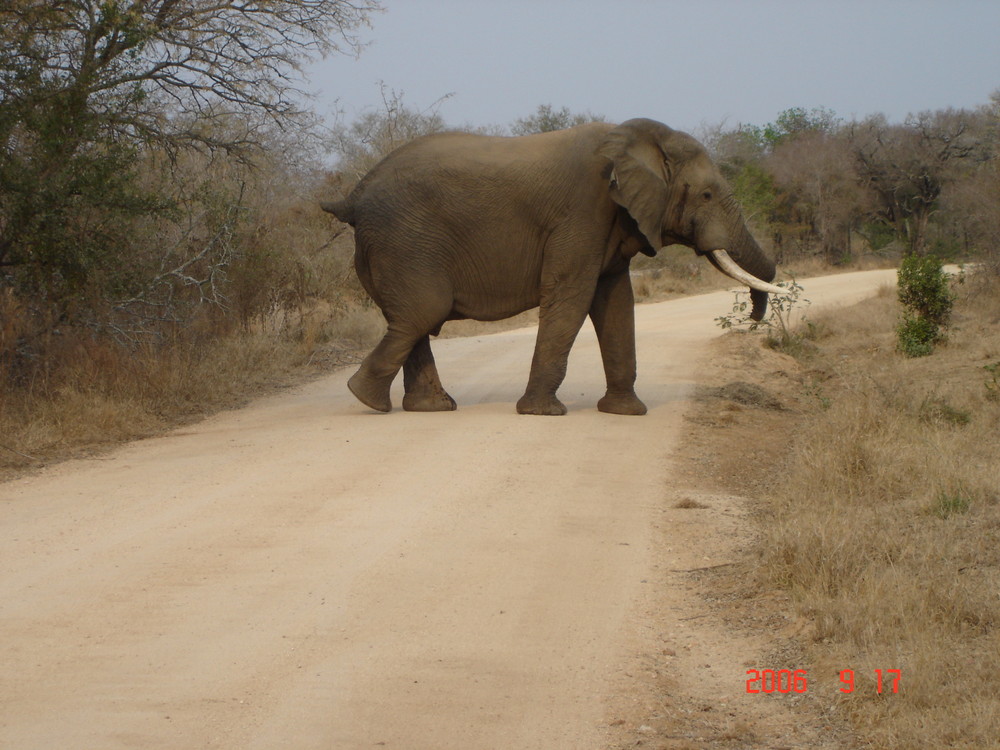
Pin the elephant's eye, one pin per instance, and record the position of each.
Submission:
(707, 196)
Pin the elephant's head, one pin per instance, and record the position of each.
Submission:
(666, 182)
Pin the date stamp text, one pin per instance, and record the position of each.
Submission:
(797, 680)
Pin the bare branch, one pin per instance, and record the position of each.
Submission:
(246, 54)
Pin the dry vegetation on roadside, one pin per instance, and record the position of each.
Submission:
(100, 396)
(878, 499)
(293, 313)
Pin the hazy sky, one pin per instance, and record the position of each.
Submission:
(683, 63)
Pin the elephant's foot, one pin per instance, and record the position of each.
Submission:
(372, 392)
(622, 403)
(436, 400)
(548, 405)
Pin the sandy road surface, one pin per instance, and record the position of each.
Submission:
(304, 573)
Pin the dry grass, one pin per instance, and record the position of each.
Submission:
(689, 503)
(95, 393)
(887, 527)
(673, 272)
(102, 395)
(293, 307)
(801, 267)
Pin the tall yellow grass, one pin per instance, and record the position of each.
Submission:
(94, 393)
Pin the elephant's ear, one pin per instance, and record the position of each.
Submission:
(639, 176)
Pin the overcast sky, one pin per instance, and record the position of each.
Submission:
(687, 64)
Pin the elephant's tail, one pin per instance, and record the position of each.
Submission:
(342, 209)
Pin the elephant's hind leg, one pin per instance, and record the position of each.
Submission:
(420, 309)
(371, 383)
(424, 391)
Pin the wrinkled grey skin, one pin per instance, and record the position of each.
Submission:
(456, 226)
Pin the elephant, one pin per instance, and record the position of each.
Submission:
(455, 225)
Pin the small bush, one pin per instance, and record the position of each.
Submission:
(948, 504)
(917, 336)
(785, 323)
(927, 301)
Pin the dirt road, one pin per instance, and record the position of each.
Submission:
(305, 573)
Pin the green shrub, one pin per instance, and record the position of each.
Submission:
(927, 301)
(916, 336)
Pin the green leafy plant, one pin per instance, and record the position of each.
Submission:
(916, 336)
(948, 504)
(780, 322)
(927, 301)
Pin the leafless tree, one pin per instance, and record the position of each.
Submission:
(172, 71)
(971, 204)
(363, 143)
(99, 99)
(816, 172)
(907, 165)
(547, 119)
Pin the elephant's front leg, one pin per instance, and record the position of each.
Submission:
(561, 313)
(613, 315)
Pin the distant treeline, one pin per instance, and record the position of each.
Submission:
(814, 183)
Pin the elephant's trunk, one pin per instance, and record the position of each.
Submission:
(758, 289)
(748, 264)
(759, 300)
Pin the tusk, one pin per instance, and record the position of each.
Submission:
(729, 267)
